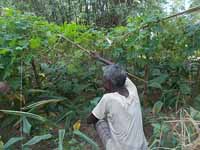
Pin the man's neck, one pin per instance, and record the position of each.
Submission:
(122, 91)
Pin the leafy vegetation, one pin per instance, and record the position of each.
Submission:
(54, 84)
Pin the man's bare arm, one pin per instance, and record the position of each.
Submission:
(92, 119)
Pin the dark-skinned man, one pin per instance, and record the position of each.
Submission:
(117, 117)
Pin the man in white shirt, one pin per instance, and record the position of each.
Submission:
(117, 116)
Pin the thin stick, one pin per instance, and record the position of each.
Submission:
(191, 10)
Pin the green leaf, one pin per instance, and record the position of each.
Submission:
(37, 91)
(160, 79)
(65, 116)
(95, 101)
(185, 89)
(155, 85)
(196, 103)
(1, 145)
(72, 141)
(41, 103)
(18, 48)
(37, 139)
(26, 114)
(1, 66)
(26, 126)
(61, 135)
(86, 138)
(157, 107)
(156, 128)
(12, 141)
(156, 72)
(194, 113)
(71, 68)
(4, 51)
(35, 43)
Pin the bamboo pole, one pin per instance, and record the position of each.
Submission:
(105, 61)
(189, 11)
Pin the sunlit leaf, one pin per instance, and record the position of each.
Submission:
(26, 128)
(4, 51)
(12, 141)
(26, 114)
(194, 113)
(77, 125)
(157, 107)
(61, 135)
(37, 139)
(42, 103)
(155, 85)
(35, 43)
(86, 138)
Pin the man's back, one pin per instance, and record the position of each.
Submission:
(124, 117)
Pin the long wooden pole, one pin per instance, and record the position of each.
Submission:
(105, 61)
(189, 11)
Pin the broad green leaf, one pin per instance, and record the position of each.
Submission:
(12, 141)
(4, 51)
(35, 43)
(18, 48)
(71, 68)
(73, 141)
(160, 79)
(1, 66)
(26, 126)
(194, 113)
(196, 103)
(86, 138)
(156, 72)
(155, 85)
(157, 107)
(78, 54)
(185, 89)
(95, 101)
(1, 144)
(37, 139)
(61, 135)
(26, 114)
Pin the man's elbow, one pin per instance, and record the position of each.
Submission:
(92, 119)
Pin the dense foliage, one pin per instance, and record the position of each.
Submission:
(99, 12)
(51, 77)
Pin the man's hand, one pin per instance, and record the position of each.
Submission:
(94, 54)
(97, 56)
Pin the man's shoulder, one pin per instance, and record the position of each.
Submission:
(108, 95)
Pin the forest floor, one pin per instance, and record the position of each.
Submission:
(89, 130)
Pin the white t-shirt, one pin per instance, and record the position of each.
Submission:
(124, 117)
